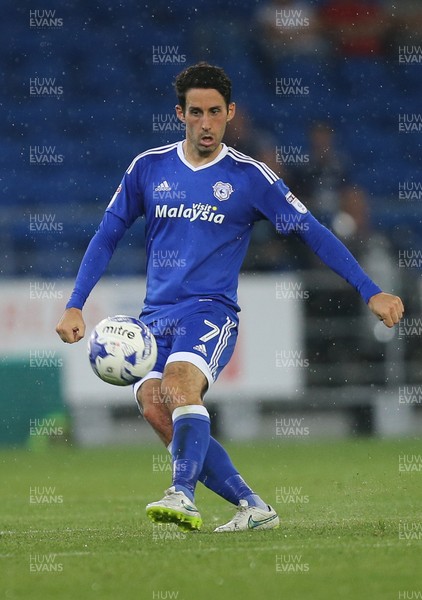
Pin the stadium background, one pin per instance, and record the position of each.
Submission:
(87, 87)
(91, 87)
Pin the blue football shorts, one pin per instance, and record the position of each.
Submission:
(205, 337)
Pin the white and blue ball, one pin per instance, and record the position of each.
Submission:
(121, 350)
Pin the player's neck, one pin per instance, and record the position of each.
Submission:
(194, 158)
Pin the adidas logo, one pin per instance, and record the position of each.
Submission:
(163, 187)
(201, 348)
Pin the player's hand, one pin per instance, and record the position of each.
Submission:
(71, 327)
(388, 308)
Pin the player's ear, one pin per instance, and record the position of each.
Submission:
(231, 111)
(179, 113)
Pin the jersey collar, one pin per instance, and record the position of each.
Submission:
(217, 159)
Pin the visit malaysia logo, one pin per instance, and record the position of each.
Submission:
(198, 211)
(222, 191)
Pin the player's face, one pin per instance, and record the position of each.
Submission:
(206, 116)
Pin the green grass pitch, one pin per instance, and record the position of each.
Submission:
(74, 527)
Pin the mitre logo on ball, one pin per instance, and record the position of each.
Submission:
(122, 350)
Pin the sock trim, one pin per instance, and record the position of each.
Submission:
(191, 410)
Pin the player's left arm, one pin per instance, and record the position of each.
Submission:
(289, 215)
(387, 307)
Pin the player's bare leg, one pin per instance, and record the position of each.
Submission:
(154, 410)
(183, 384)
(182, 388)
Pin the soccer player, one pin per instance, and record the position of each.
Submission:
(200, 200)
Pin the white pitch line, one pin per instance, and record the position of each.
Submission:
(20, 556)
(49, 531)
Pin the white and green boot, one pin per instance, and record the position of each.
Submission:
(176, 508)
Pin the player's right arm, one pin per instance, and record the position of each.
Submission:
(71, 327)
(125, 207)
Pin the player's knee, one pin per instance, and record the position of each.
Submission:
(158, 416)
(149, 398)
(148, 393)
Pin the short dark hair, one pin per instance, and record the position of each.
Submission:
(202, 75)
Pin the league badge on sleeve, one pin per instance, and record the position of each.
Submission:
(291, 199)
(116, 193)
(222, 191)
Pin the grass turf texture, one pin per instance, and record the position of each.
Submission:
(344, 528)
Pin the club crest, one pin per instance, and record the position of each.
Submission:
(222, 190)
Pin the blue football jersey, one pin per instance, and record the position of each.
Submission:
(199, 220)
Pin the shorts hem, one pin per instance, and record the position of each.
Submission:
(150, 375)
